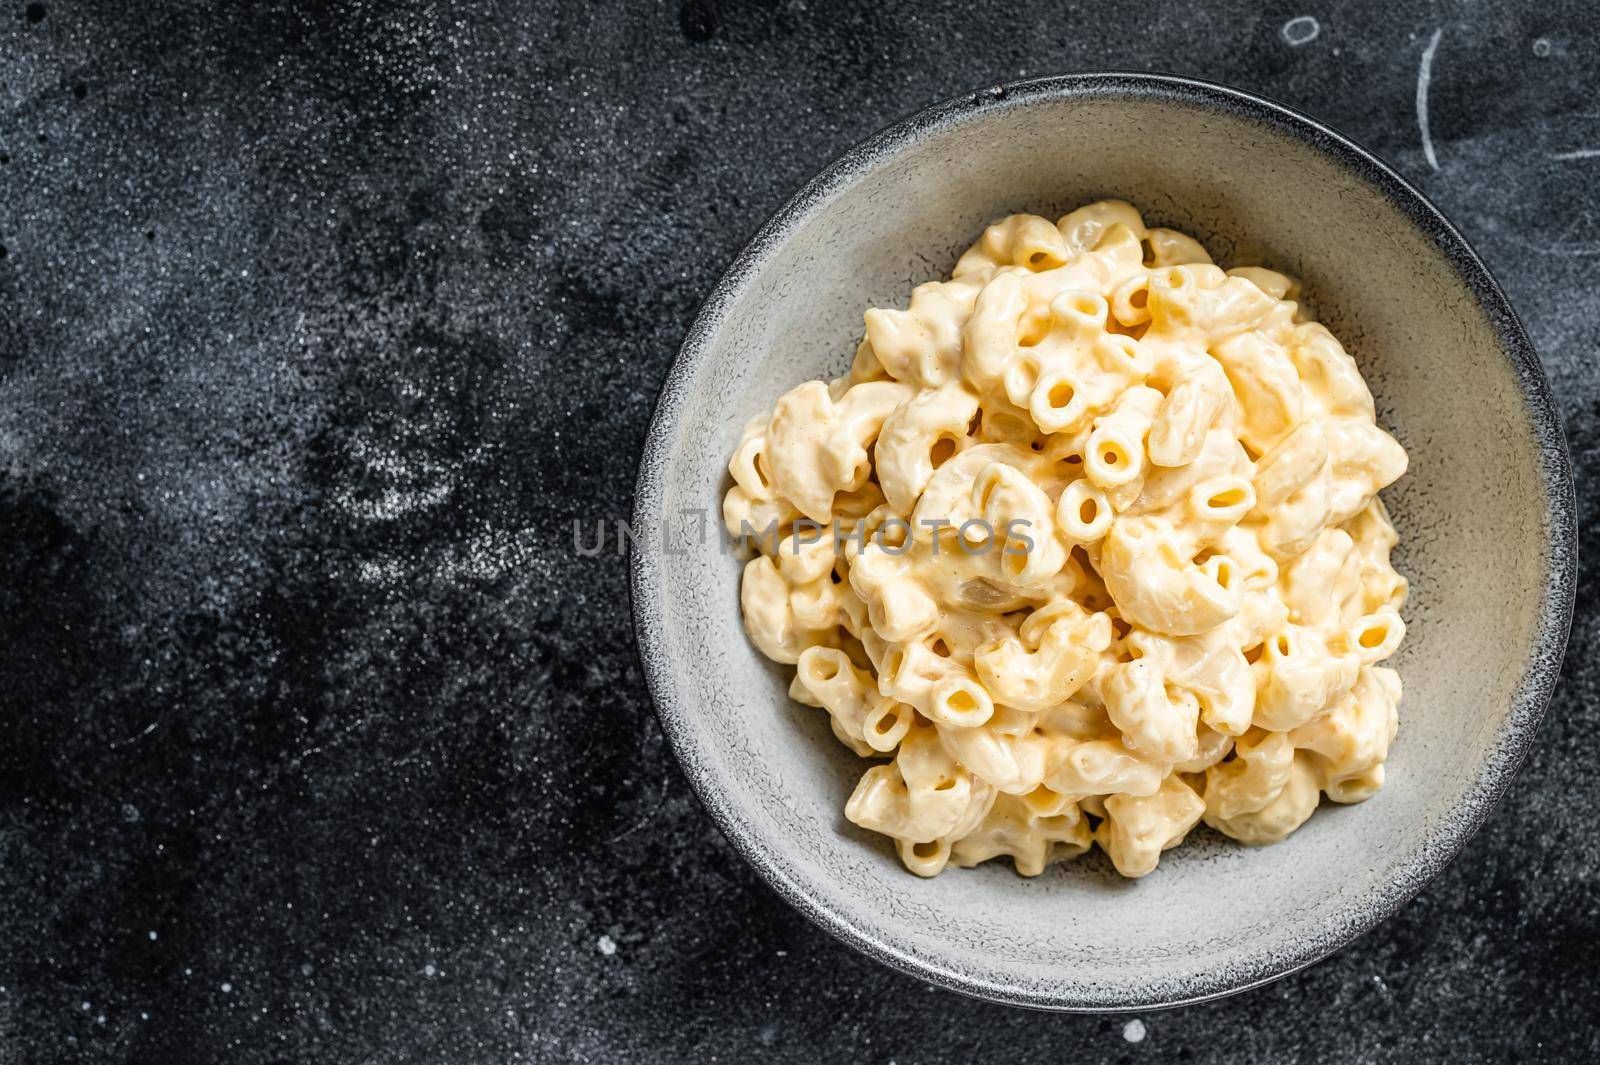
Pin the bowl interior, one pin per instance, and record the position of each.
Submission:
(1478, 539)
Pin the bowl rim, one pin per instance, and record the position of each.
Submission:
(1532, 694)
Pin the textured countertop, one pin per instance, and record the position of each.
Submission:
(318, 329)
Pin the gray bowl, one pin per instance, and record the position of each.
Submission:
(1485, 515)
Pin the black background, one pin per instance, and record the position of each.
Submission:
(319, 326)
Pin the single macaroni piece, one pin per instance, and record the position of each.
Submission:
(1085, 549)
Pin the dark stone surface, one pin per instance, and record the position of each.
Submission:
(319, 324)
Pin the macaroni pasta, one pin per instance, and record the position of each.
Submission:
(1085, 549)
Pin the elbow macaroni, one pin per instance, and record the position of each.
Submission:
(1087, 545)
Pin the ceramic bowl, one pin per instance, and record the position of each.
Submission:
(1485, 516)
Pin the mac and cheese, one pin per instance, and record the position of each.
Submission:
(1086, 548)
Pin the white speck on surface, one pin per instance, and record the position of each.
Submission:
(429, 970)
(1134, 1031)
(1424, 78)
(607, 945)
(1541, 47)
(1301, 30)
(143, 1016)
(226, 987)
(85, 1005)
(152, 935)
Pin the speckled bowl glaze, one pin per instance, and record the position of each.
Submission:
(1485, 515)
